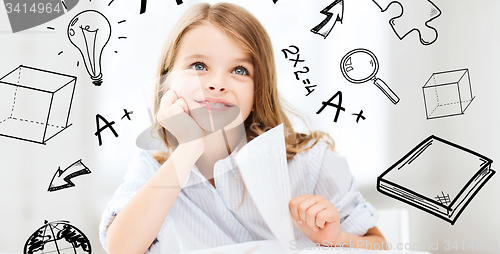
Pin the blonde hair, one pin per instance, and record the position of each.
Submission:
(247, 32)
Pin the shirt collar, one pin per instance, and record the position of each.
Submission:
(221, 167)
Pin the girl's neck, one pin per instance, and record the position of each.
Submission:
(216, 148)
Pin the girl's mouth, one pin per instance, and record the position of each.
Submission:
(215, 105)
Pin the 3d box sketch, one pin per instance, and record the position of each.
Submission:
(35, 104)
(447, 93)
(438, 177)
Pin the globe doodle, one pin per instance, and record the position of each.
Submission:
(57, 237)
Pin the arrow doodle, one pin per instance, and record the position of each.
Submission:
(62, 178)
(336, 10)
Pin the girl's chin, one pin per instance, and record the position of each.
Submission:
(212, 121)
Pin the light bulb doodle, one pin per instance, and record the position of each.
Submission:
(89, 31)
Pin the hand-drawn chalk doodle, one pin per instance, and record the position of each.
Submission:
(334, 10)
(418, 178)
(360, 66)
(305, 70)
(89, 31)
(447, 93)
(359, 116)
(57, 237)
(62, 178)
(337, 106)
(109, 124)
(143, 6)
(100, 129)
(415, 16)
(127, 114)
(29, 14)
(35, 104)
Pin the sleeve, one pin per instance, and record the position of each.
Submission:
(335, 183)
(139, 172)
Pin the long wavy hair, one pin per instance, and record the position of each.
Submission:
(247, 32)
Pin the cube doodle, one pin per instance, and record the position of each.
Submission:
(447, 93)
(35, 104)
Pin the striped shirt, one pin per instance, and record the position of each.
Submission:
(208, 217)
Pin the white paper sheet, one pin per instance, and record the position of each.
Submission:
(274, 247)
(263, 167)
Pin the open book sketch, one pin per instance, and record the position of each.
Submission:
(415, 16)
(422, 179)
(263, 167)
(35, 104)
(447, 93)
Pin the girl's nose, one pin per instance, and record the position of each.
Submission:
(217, 84)
(216, 87)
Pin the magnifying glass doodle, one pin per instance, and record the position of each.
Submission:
(360, 66)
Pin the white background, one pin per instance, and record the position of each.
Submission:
(468, 38)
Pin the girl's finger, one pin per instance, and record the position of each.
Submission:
(326, 215)
(293, 204)
(178, 107)
(168, 98)
(304, 205)
(181, 102)
(311, 214)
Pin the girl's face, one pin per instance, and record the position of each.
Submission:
(215, 77)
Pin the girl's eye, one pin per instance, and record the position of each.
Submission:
(198, 66)
(240, 70)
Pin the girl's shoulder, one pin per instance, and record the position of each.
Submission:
(319, 155)
(317, 149)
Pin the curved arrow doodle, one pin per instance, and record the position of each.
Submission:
(62, 178)
(334, 10)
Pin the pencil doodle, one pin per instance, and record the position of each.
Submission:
(57, 237)
(334, 10)
(127, 114)
(359, 116)
(62, 178)
(109, 124)
(415, 16)
(305, 69)
(29, 14)
(360, 66)
(100, 129)
(416, 178)
(143, 6)
(447, 93)
(89, 31)
(35, 104)
(337, 106)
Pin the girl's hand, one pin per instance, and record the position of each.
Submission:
(174, 116)
(317, 218)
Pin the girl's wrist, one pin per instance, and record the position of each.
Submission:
(193, 148)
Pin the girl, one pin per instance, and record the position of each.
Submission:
(217, 90)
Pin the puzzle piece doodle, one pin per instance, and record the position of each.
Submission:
(415, 16)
